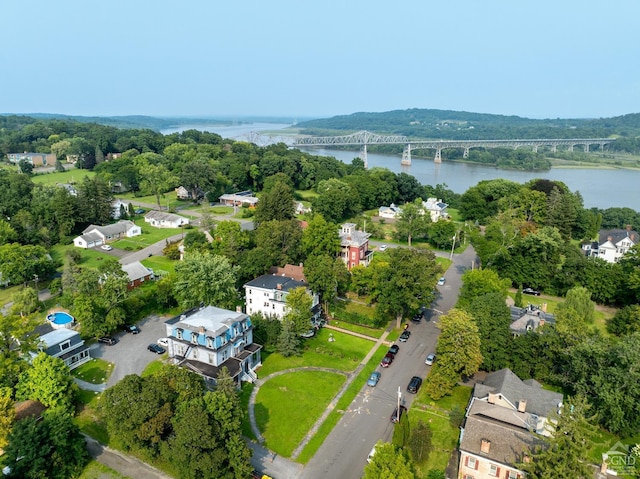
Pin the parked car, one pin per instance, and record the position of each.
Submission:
(131, 328)
(139, 211)
(163, 342)
(417, 318)
(308, 334)
(388, 359)
(383, 247)
(441, 281)
(404, 336)
(395, 417)
(107, 340)
(414, 384)
(371, 453)
(394, 349)
(156, 348)
(106, 247)
(531, 291)
(373, 379)
(430, 359)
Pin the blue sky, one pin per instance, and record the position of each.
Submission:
(542, 59)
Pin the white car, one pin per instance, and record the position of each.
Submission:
(441, 281)
(106, 247)
(431, 358)
(383, 247)
(163, 342)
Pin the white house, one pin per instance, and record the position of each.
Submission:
(182, 193)
(267, 294)
(301, 209)
(612, 244)
(65, 344)
(160, 219)
(206, 339)
(94, 235)
(391, 211)
(436, 209)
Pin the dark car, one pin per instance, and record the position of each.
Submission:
(404, 336)
(394, 349)
(414, 384)
(395, 417)
(417, 318)
(139, 211)
(131, 328)
(156, 348)
(107, 340)
(388, 359)
(531, 291)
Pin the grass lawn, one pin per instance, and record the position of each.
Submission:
(153, 367)
(169, 199)
(149, 236)
(160, 263)
(245, 394)
(96, 371)
(437, 415)
(345, 353)
(6, 294)
(69, 176)
(88, 257)
(347, 398)
(96, 470)
(307, 195)
(375, 333)
(288, 405)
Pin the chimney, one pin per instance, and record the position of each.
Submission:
(522, 405)
(238, 309)
(542, 321)
(485, 445)
(609, 238)
(279, 286)
(201, 330)
(492, 398)
(628, 227)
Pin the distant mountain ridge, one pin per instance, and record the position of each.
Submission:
(449, 124)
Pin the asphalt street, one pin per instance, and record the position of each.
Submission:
(344, 453)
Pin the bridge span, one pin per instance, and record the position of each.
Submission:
(364, 138)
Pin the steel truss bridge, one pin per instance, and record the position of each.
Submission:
(364, 138)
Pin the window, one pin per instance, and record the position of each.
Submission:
(194, 338)
(209, 342)
(179, 333)
(212, 358)
(494, 470)
(512, 475)
(471, 462)
(64, 346)
(467, 476)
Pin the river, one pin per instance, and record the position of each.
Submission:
(597, 186)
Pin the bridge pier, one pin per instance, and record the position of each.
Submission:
(363, 156)
(465, 153)
(554, 149)
(571, 148)
(586, 148)
(406, 156)
(438, 158)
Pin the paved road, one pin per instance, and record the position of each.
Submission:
(343, 454)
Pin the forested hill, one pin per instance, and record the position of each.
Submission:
(460, 125)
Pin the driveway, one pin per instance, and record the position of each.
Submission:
(130, 355)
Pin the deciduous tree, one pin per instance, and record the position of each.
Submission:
(388, 463)
(49, 381)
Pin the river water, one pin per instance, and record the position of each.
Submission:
(601, 188)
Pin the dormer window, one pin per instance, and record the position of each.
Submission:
(179, 333)
(194, 338)
(210, 342)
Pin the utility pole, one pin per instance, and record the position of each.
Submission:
(453, 245)
(398, 408)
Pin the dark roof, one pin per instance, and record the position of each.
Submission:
(210, 371)
(513, 389)
(271, 282)
(617, 235)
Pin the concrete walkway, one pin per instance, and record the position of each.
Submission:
(332, 405)
(98, 388)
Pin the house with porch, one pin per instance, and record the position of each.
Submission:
(94, 235)
(504, 422)
(354, 246)
(243, 198)
(182, 193)
(612, 244)
(161, 219)
(206, 339)
(63, 343)
(267, 294)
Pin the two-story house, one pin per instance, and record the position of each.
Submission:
(354, 246)
(503, 423)
(435, 208)
(65, 344)
(207, 338)
(267, 294)
(612, 244)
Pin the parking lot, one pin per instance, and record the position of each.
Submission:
(130, 355)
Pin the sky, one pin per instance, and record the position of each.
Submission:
(302, 59)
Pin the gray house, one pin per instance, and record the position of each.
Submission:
(65, 344)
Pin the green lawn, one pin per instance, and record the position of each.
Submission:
(88, 257)
(168, 200)
(356, 328)
(96, 470)
(288, 405)
(345, 353)
(6, 294)
(160, 263)
(149, 236)
(96, 371)
(69, 176)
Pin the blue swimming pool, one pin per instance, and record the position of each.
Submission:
(60, 318)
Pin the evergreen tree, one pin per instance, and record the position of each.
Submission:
(420, 442)
(288, 341)
(401, 432)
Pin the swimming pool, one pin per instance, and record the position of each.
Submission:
(60, 319)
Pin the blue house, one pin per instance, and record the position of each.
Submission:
(207, 338)
(65, 344)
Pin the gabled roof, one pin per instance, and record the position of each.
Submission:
(162, 216)
(275, 282)
(215, 321)
(136, 270)
(505, 383)
(120, 227)
(291, 270)
(57, 336)
(617, 235)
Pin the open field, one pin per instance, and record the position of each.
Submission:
(69, 176)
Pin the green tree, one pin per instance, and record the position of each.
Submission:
(335, 200)
(16, 341)
(205, 278)
(298, 309)
(443, 234)
(579, 299)
(388, 463)
(7, 415)
(401, 432)
(280, 240)
(420, 442)
(478, 282)
(288, 341)
(25, 302)
(320, 237)
(407, 282)
(625, 321)
(320, 272)
(275, 204)
(229, 240)
(49, 381)
(458, 351)
(156, 178)
(412, 221)
(564, 453)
